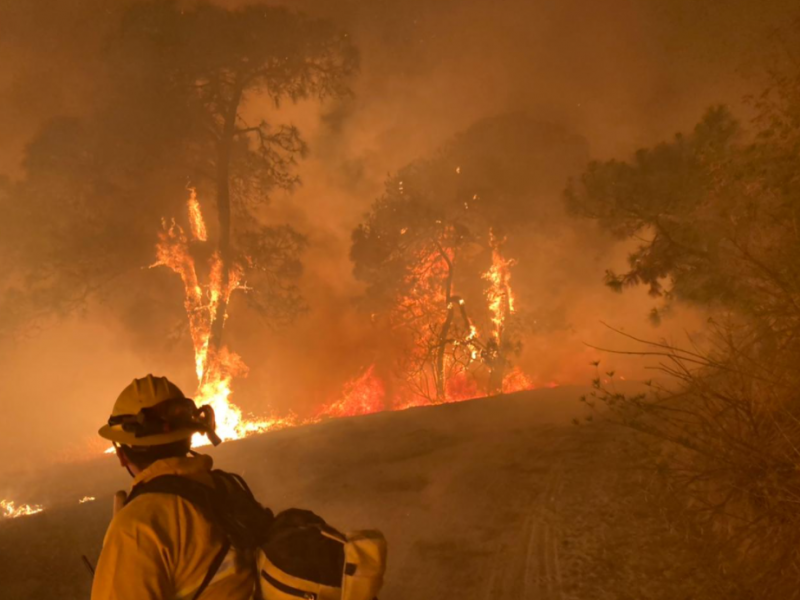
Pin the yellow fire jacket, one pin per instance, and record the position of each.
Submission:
(159, 547)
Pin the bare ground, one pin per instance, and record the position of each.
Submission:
(489, 499)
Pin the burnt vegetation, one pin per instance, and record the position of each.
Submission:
(436, 250)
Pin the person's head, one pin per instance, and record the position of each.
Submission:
(152, 419)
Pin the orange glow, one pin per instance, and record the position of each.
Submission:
(10, 510)
(427, 292)
(499, 294)
(196, 221)
(517, 380)
(501, 301)
(414, 401)
(435, 316)
(363, 395)
(460, 387)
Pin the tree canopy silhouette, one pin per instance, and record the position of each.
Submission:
(170, 111)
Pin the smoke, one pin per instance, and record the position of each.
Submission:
(620, 74)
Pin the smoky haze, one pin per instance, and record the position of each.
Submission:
(616, 75)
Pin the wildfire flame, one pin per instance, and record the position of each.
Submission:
(10, 510)
(215, 367)
(499, 294)
(428, 304)
(196, 221)
(517, 380)
(363, 395)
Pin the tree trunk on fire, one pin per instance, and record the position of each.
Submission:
(497, 367)
(224, 148)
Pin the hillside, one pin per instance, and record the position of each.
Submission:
(492, 498)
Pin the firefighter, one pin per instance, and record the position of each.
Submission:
(160, 546)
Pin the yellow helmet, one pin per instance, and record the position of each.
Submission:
(152, 411)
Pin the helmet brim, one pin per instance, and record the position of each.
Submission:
(116, 433)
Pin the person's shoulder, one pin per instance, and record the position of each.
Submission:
(146, 512)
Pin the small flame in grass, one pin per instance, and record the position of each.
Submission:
(10, 510)
(86, 499)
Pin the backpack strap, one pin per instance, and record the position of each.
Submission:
(202, 497)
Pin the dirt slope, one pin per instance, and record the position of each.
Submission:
(494, 498)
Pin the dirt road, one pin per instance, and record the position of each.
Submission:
(489, 499)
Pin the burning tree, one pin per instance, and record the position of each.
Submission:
(215, 364)
(433, 252)
(419, 261)
(501, 305)
(185, 94)
(410, 256)
(189, 95)
(436, 318)
(218, 61)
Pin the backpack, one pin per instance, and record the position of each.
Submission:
(296, 553)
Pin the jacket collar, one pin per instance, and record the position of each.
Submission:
(190, 466)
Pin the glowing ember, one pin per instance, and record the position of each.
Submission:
(86, 499)
(215, 367)
(10, 510)
(363, 395)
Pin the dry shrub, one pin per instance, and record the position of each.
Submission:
(727, 418)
